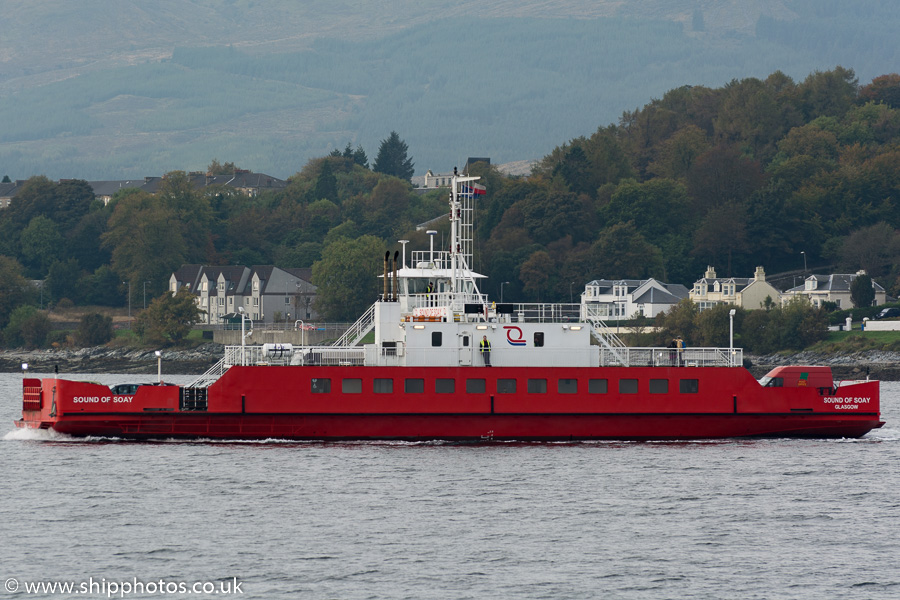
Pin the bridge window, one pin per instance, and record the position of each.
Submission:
(628, 386)
(320, 386)
(414, 386)
(444, 386)
(383, 386)
(537, 386)
(598, 386)
(436, 338)
(506, 386)
(351, 386)
(659, 386)
(568, 386)
(689, 386)
(475, 386)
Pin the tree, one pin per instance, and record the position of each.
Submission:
(27, 327)
(862, 293)
(535, 273)
(326, 183)
(41, 244)
(14, 288)
(347, 277)
(392, 158)
(94, 330)
(217, 168)
(63, 279)
(169, 318)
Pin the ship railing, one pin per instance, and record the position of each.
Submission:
(430, 260)
(210, 376)
(356, 332)
(330, 356)
(672, 357)
(255, 355)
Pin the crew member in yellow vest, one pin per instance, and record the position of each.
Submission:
(485, 347)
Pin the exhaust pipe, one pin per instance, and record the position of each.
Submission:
(385, 296)
(396, 279)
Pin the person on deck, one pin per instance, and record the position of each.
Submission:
(485, 346)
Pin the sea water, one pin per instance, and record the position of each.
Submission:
(706, 519)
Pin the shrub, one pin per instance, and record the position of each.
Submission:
(94, 330)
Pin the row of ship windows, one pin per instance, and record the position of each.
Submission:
(504, 386)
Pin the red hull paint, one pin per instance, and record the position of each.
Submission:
(634, 403)
(467, 427)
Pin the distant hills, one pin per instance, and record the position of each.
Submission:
(112, 90)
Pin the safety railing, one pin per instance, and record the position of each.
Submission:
(672, 357)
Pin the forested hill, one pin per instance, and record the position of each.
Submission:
(752, 173)
(129, 89)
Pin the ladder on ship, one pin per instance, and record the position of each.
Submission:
(194, 394)
(609, 340)
(358, 330)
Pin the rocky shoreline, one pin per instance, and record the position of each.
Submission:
(102, 359)
(877, 364)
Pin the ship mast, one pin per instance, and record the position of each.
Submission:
(461, 233)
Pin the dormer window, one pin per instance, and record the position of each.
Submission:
(811, 284)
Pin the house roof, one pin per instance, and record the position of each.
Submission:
(655, 295)
(837, 282)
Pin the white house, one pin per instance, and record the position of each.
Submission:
(629, 298)
(832, 288)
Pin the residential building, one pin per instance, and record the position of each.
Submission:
(266, 293)
(832, 288)
(8, 191)
(747, 292)
(629, 298)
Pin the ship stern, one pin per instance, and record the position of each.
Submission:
(38, 404)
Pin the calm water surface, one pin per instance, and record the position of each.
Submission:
(734, 519)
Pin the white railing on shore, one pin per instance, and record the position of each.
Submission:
(672, 357)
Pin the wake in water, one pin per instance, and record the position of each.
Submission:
(40, 435)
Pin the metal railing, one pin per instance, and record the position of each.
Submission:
(252, 356)
(210, 376)
(358, 330)
(672, 357)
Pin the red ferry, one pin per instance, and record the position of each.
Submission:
(553, 372)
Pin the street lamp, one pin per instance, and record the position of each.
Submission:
(145, 294)
(243, 335)
(570, 292)
(731, 333)
(804, 261)
(158, 366)
(501, 291)
(129, 298)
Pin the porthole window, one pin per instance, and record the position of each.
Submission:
(320, 386)
(414, 386)
(351, 386)
(567, 386)
(444, 386)
(628, 386)
(475, 386)
(598, 386)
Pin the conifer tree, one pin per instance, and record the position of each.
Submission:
(392, 158)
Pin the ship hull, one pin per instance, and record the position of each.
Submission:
(531, 427)
(436, 403)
